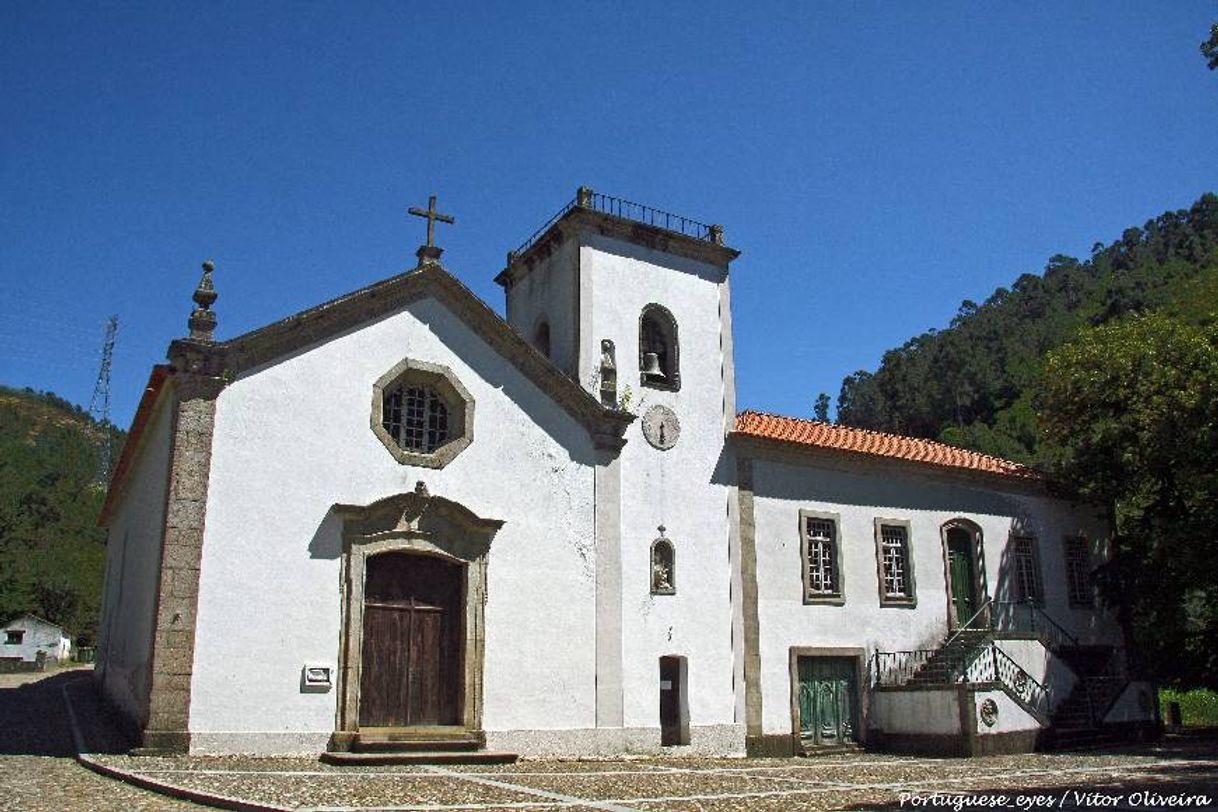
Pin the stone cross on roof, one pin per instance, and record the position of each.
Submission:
(430, 251)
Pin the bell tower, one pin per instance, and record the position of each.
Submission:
(634, 302)
(578, 273)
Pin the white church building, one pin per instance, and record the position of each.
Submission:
(396, 523)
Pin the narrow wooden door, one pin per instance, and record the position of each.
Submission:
(670, 701)
(828, 700)
(411, 660)
(963, 577)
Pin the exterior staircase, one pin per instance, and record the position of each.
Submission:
(1078, 720)
(970, 655)
(950, 662)
(423, 746)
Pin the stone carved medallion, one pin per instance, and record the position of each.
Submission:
(661, 427)
(989, 712)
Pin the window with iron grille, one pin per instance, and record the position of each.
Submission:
(416, 417)
(895, 560)
(822, 574)
(422, 414)
(1027, 573)
(894, 563)
(1078, 571)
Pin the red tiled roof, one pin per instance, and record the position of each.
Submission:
(875, 443)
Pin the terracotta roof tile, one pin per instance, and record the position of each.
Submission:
(875, 443)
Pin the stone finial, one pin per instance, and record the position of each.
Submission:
(583, 197)
(716, 234)
(202, 321)
(429, 255)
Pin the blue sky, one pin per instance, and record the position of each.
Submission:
(876, 163)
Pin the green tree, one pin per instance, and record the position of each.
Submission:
(51, 550)
(1130, 422)
(821, 409)
(1209, 48)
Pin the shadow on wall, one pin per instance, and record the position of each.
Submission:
(497, 371)
(327, 541)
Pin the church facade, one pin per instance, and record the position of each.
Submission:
(397, 517)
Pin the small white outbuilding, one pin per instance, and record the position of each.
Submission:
(25, 636)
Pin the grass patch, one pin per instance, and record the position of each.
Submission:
(1197, 707)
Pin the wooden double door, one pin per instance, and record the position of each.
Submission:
(828, 700)
(411, 662)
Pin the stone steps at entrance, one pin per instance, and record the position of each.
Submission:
(440, 744)
(405, 744)
(385, 758)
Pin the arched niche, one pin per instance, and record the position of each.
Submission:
(658, 334)
(663, 567)
(541, 337)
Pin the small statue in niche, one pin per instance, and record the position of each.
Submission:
(659, 577)
(663, 560)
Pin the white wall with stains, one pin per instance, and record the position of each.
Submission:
(294, 438)
(133, 569)
(858, 494)
(684, 489)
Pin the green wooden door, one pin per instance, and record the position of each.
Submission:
(960, 569)
(828, 700)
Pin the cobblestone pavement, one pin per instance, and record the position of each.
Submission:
(1147, 777)
(37, 767)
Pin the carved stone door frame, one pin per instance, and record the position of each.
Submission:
(419, 523)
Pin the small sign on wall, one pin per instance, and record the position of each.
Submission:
(316, 678)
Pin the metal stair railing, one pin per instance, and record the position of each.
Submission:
(977, 664)
(1038, 622)
(1021, 684)
(967, 626)
(896, 668)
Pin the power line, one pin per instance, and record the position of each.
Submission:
(99, 404)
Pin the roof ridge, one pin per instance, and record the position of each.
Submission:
(846, 438)
(878, 433)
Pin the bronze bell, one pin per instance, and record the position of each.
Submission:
(651, 365)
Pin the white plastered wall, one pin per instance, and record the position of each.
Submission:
(859, 495)
(930, 712)
(1011, 716)
(1051, 671)
(685, 489)
(133, 568)
(291, 440)
(1135, 704)
(550, 291)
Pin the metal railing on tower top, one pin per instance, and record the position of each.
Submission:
(585, 198)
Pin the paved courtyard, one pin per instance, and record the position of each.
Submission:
(37, 772)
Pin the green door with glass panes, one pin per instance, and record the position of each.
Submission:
(828, 700)
(963, 577)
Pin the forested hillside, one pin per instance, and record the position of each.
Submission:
(1105, 374)
(977, 383)
(52, 554)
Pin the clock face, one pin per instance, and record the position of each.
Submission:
(661, 427)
